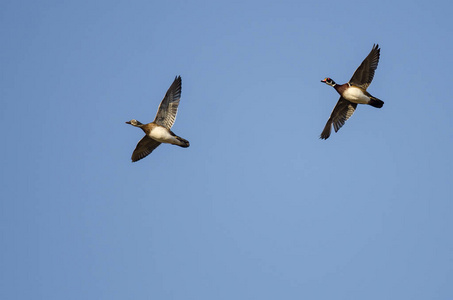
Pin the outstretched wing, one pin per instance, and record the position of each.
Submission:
(144, 147)
(365, 72)
(168, 108)
(340, 114)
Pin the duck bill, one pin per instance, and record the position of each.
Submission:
(128, 122)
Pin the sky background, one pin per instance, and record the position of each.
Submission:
(258, 207)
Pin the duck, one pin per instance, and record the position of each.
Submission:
(158, 131)
(353, 92)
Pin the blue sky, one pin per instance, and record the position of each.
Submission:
(258, 207)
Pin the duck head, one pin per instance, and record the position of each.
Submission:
(134, 122)
(329, 81)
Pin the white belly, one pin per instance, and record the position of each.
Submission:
(162, 135)
(356, 95)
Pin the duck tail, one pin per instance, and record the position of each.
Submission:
(182, 142)
(375, 102)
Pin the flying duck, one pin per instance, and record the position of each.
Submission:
(353, 93)
(158, 131)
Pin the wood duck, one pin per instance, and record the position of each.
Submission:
(158, 131)
(353, 93)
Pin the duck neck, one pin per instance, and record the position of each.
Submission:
(141, 126)
(340, 88)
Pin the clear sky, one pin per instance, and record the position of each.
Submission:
(258, 207)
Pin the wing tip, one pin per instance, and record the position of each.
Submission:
(178, 79)
(327, 130)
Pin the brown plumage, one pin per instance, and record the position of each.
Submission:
(158, 131)
(353, 93)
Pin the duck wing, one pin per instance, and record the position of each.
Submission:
(365, 72)
(168, 108)
(144, 147)
(340, 114)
